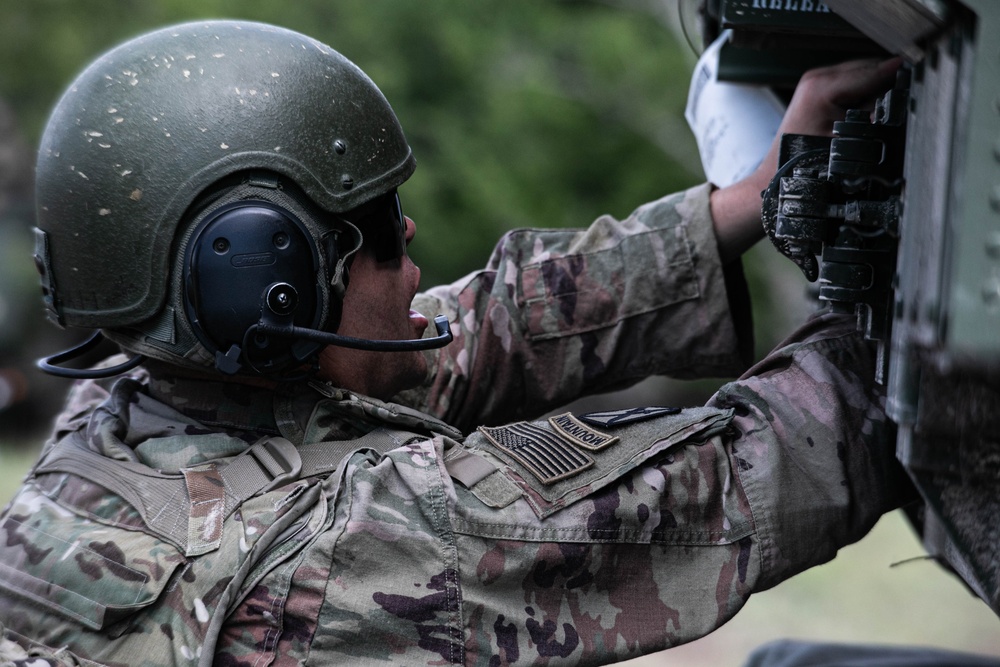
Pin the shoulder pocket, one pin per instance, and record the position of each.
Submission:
(556, 472)
(583, 292)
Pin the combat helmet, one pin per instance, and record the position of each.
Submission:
(274, 133)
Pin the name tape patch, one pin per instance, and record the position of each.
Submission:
(574, 429)
(546, 455)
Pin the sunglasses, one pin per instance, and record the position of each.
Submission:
(382, 225)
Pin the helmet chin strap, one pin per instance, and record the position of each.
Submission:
(51, 365)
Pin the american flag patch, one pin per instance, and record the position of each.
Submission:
(547, 456)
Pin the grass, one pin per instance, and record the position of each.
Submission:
(15, 459)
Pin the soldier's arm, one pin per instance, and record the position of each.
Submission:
(558, 314)
(812, 446)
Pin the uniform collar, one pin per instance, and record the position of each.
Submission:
(229, 406)
(302, 412)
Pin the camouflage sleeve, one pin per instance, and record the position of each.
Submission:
(558, 314)
(814, 449)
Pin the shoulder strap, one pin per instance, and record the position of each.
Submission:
(178, 506)
(271, 462)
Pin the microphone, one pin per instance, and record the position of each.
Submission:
(443, 337)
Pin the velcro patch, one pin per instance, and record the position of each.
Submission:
(546, 455)
(571, 427)
(626, 416)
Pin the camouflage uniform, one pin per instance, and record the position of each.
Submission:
(513, 545)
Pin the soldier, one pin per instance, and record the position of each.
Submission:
(291, 471)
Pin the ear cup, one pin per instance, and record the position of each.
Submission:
(251, 260)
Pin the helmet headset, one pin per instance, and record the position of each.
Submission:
(250, 291)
